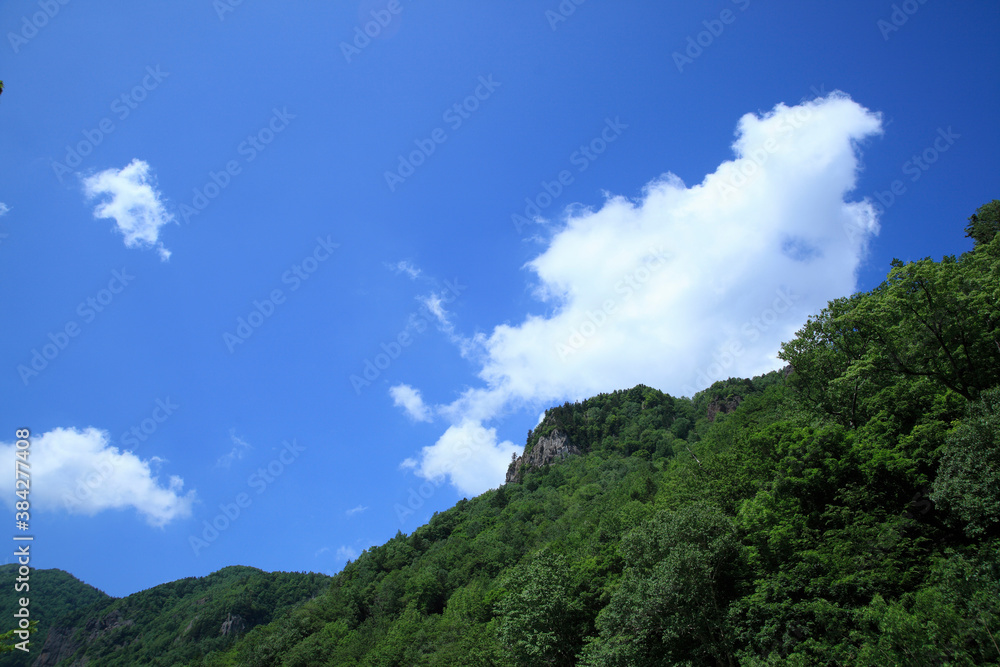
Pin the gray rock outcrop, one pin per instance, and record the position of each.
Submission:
(553, 447)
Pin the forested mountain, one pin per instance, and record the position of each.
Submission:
(842, 511)
(64, 595)
(169, 624)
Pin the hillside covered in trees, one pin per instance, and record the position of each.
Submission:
(169, 624)
(842, 511)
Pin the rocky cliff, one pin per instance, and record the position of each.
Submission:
(61, 643)
(549, 448)
(723, 406)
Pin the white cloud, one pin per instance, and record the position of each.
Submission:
(469, 454)
(682, 286)
(133, 203)
(435, 304)
(406, 267)
(4, 209)
(347, 553)
(80, 472)
(355, 510)
(240, 446)
(405, 396)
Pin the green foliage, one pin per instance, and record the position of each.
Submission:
(175, 623)
(929, 321)
(10, 639)
(53, 596)
(680, 557)
(539, 617)
(983, 224)
(968, 481)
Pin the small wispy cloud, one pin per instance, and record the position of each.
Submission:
(408, 398)
(133, 203)
(240, 446)
(321, 552)
(468, 347)
(405, 267)
(435, 304)
(3, 211)
(347, 553)
(355, 510)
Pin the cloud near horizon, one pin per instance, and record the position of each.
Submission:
(133, 203)
(79, 471)
(680, 287)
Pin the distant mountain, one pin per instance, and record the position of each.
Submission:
(55, 594)
(842, 511)
(169, 624)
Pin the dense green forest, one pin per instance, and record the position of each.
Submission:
(842, 511)
(63, 594)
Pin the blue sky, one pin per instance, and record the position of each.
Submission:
(324, 283)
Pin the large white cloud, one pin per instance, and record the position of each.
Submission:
(684, 286)
(80, 472)
(133, 202)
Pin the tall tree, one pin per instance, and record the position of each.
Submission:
(983, 224)
(539, 617)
